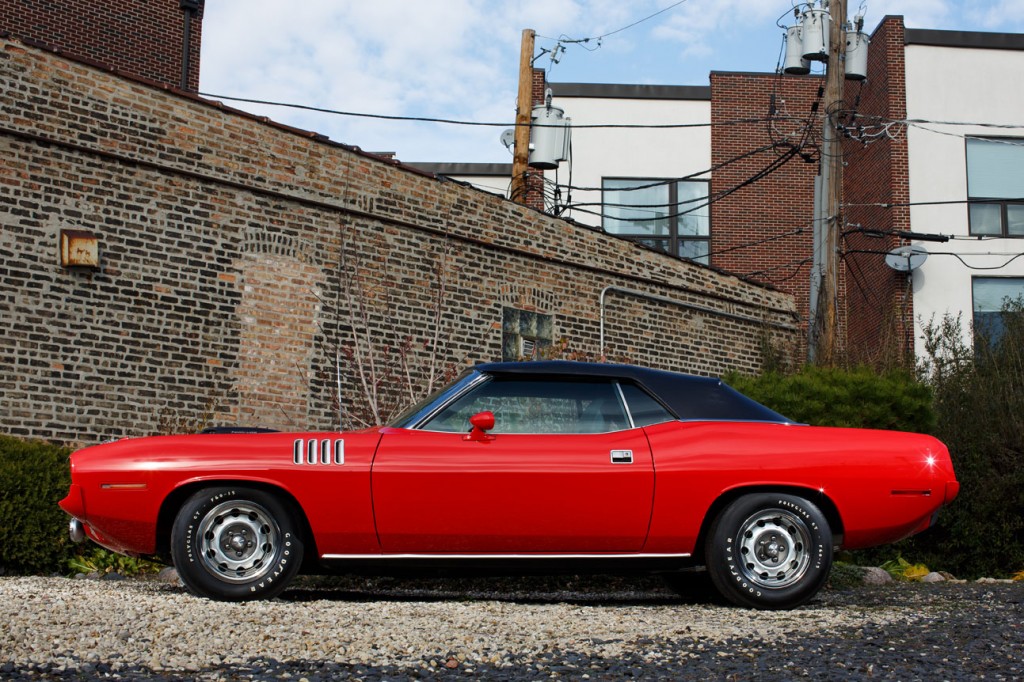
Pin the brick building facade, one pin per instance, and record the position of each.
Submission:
(878, 303)
(243, 263)
(763, 228)
(763, 152)
(143, 38)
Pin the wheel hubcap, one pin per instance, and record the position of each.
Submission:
(774, 548)
(238, 541)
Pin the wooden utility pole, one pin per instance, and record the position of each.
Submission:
(524, 109)
(826, 318)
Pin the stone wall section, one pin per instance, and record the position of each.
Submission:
(241, 262)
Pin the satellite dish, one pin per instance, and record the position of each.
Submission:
(508, 138)
(906, 258)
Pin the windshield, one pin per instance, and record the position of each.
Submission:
(415, 413)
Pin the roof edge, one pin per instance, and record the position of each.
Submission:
(967, 39)
(462, 168)
(631, 91)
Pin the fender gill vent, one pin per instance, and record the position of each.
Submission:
(316, 451)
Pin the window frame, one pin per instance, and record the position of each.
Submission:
(675, 237)
(1003, 203)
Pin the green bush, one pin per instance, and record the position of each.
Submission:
(979, 403)
(34, 476)
(832, 396)
(971, 397)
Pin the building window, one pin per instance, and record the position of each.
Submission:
(524, 334)
(667, 215)
(995, 176)
(991, 297)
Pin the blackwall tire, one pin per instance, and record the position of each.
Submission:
(769, 551)
(236, 544)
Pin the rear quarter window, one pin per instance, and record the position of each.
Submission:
(644, 409)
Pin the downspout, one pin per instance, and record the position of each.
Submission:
(189, 7)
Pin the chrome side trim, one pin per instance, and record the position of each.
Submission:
(625, 405)
(613, 555)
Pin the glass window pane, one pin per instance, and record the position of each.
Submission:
(694, 249)
(1015, 220)
(995, 168)
(527, 406)
(644, 409)
(694, 212)
(991, 292)
(986, 219)
(990, 295)
(639, 211)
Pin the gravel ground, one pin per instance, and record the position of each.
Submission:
(516, 629)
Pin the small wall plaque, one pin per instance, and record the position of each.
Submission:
(79, 249)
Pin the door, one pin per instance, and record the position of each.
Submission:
(561, 472)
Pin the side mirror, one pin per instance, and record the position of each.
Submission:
(482, 423)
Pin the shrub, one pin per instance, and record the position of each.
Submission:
(832, 396)
(979, 400)
(34, 476)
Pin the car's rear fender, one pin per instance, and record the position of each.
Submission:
(821, 500)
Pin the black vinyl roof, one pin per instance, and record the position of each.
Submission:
(689, 397)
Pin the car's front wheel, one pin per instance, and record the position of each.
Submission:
(236, 544)
(769, 551)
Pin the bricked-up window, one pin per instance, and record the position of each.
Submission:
(667, 215)
(995, 175)
(991, 296)
(524, 334)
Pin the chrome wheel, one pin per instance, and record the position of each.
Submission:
(769, 550)
(774, 548)
(238, 541)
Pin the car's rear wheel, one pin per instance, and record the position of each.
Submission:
(769, 551)
(235, 544)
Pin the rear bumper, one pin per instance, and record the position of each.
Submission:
(77, 531)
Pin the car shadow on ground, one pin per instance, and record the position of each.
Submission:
(603, 590)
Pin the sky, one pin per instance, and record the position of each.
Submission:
(459, 59)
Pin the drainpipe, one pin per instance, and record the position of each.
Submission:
(189, 7)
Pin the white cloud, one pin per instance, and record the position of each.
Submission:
(459, 59)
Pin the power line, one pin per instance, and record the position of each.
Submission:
(958, 256)
(489, 124)
(717, 196)
(582, 41)
(640, 21)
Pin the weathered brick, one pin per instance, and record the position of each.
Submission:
(240, 260)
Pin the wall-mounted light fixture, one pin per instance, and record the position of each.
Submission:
(79, 249)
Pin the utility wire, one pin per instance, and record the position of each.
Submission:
(958, 256)
(489, 124)
(582, 41)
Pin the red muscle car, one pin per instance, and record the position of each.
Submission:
(540, 466)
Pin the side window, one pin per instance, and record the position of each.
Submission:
(644, 409)
(537, 406)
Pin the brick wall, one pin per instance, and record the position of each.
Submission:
(879, 302)
(752, 229)
(139, 37)
(242, 262)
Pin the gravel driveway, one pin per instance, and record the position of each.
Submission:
(534, 628)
